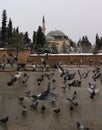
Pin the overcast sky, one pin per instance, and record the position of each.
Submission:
(75, 18)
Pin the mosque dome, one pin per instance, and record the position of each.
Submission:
(57, 34)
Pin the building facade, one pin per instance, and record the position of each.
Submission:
(56, 37)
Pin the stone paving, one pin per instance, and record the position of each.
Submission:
(88, 112)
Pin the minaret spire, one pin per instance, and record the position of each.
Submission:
(43, 25)
(43, 20)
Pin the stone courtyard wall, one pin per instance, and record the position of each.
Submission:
(67, 59)
(24, 54)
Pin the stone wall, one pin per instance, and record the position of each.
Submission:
(24, 55)
(66, 59)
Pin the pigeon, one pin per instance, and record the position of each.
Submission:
(92, 86)
(24, 80)
(64, 87)
(74, 96)
(21, 66)
(43, 62)
(69, 76)
(71, 108)
(14, 78)
(57, 110)
(15, 57)
(27, 93)
(6, 60)
(34, 105)
(92, 95)
(39, 80)
(90, 61)
(81, 127)
(50, 76)
(53, 101)
(61, 70)
(2, 66)
(80, 74)
(44, 68)
(75, 83)
(55, 66)
(24, 110)
(43, 95)
(53, 81)
(72, 101)
(43, 108)
(21, 99)
(96, 76)
(4, 119)
(97, 73)
(92, 90)
(34, 66)
(46, 56)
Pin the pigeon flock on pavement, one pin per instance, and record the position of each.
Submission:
(69, 79)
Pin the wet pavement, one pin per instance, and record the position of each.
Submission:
(88, 112)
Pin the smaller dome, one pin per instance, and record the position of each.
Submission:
(49, 37)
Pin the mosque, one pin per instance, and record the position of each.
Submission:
(56, 37)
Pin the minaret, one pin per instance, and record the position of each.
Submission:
(43, 25)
